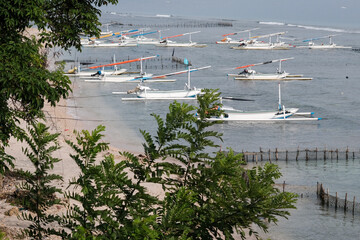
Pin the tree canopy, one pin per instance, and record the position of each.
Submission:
(25, 81)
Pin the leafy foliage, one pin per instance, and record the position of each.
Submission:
(40, 192)
(110, 205)
(206, 195)
(210, 196)
(6, 162)
(25, 82)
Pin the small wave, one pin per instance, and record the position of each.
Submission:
(323, 29)
(328, 29)
(273, 23)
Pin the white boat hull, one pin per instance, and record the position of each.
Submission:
(263, 116)
(175, 94)
(229, 42)
(333, 46)
(173, 44)
(259, 76)
(258, 116)
(88, 73)
(111, 45)
(261, 47)
(119, 80)
(114, 78)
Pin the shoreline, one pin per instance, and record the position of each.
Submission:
(59, 120)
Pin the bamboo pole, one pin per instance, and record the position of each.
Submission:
(317, 188)
(336, 201)
(337, 154)
(353, 211)
(269, 156)
(328, 197)
(276, 154)
(307, 155)
(345, 204)
(284, 186)
(297, 154)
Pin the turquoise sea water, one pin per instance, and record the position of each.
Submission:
(333, 94)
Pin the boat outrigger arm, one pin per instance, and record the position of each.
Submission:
(271, 35)
(123, 62)
(310, 41)
(179, 35)
(175, 73)
(235, 33)
(267, 62)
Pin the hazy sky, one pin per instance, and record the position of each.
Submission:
(318, 12)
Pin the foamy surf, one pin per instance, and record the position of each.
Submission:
(328, 29)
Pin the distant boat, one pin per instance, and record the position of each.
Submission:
(107, 30)
(124, 77)
(95, 42)
(254, 44)
(165, 42)
(228, 40)
(250, 74)
(77, 72)
(144, 93)
(312, 45)
(281, 114)
(109, 44)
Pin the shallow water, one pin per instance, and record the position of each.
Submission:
(332, 94)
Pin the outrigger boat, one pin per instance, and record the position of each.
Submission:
(250, 74)
(76, 72)
(165, 42)
(312, 45)
(109, 44)
(127, 77)
(282, 114)
(146, 93)
(93, 42)
(107, 32)
(253, 44)
(228, 40)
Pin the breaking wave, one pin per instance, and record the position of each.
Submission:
(328, 29)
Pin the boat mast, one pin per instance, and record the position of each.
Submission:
(330, 42)
(186, 62)
(280, 107)
(188, 85)
(279, 70)
(115, 62)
